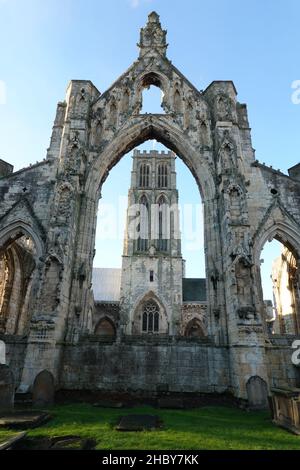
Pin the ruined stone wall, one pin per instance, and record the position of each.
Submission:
(245, 204)
(185, 366)
(27, 194)
(283, 373)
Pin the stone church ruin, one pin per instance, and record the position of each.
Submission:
(155, 329)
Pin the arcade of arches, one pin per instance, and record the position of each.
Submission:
(157, 332)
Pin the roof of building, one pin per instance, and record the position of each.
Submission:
(193, 290)
(106, 284)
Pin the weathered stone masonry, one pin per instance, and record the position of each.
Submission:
(47, 236)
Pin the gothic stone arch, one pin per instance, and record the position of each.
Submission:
(210, 132)
(105, 327)
(136, 319)
(21, 246)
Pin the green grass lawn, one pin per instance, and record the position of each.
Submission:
(203, 428)
(5, 435)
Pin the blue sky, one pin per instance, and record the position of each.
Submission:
(45, 43)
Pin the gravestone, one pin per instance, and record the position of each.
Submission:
(2, 352)
(43, 389)
(257, 392)
(23, 419)
(139, 423)
(7, 388)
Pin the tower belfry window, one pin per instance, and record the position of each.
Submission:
(162, 175)
(142, 242)
(144, 177)
(163, 224)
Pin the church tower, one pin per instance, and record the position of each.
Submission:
(152, 265)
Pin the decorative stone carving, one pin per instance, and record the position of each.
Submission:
(223, 108)
(65, 191)
(152, 36)
(247, 313)
(113, 114)
(204, 132)
(125, 101)
(196, 313)
(177, 101)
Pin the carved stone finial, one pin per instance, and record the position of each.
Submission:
(153, 37)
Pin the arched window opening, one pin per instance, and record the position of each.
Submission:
(150, 318)
(280, 286)
(105, 328)
(143, 227)
(163, 224)
(17, 265)
(162, 175)
(152, 99)
(144, 176)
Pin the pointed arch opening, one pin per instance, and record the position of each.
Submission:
(18, 278)
(177, 101)
(152, 94)
(152, 99)
(150, 316)
(187, 235)
(280, 287)
(105, 328)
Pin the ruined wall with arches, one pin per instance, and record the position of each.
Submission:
(54, 205)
